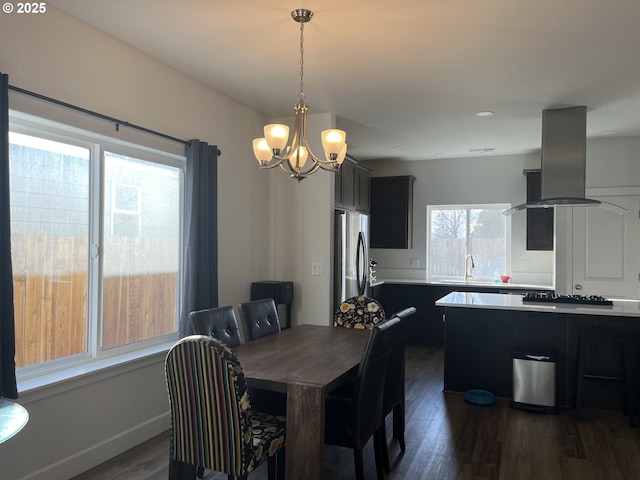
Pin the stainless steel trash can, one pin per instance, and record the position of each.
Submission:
(534, 380)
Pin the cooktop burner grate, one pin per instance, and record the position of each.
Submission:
(547, 297)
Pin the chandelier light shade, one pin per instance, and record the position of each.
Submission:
(273, 150)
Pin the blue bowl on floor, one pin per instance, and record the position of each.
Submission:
(479, 397)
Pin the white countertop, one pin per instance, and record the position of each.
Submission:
(620, 307)
(471, 283)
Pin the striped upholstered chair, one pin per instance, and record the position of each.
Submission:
(212, 424)
(359, 312)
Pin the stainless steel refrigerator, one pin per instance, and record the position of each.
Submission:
(351, 259)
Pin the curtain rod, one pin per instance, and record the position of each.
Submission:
(98, 115)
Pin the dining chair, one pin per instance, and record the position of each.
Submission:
(259, 318)
(212, 423)
(350, 421)
(219, 322)
(359, 312)
(394, 388)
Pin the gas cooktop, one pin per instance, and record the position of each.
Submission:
(548, 297)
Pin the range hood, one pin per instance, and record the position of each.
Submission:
(563, 168)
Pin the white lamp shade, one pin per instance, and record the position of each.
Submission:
(299, 157)
(261, 150)
(333, 141)
(342, 155)
(276, 136)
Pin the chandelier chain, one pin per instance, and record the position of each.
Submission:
(301, 94)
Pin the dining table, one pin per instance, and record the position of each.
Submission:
(305, 362)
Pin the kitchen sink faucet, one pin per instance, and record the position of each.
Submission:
(469, 265)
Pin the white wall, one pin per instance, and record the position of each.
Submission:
(80, 423)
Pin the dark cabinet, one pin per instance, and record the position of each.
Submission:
(427, 323)
(363, 188)
(352, 187)
(479, 345)
(395, 297)
(392, 212)
(539, 220)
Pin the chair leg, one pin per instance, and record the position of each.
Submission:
(384, 449)
(380, 452)
(200, 472)
(181, 470)
(280, 462)
(359, 463)
(271, 467)
(398, 425)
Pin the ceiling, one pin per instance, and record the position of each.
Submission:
(404, 79)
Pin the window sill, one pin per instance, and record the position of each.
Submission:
(74, 377)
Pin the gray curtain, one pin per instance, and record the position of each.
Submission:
(8, 387)
(200, 282)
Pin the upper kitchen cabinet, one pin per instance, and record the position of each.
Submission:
(539, 220)
(352, 187)
(392, 212)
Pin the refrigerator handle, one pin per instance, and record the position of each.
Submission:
(361, 270)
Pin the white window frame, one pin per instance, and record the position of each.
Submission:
(35, 376)
(492, 206)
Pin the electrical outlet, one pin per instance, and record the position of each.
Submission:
(524, 264)
(316, 268)
(414, 262)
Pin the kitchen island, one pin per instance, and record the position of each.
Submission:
(483, 329)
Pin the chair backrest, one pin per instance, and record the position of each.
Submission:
(404, 313)
(359, 312)
(394, 382)
(259, 318)
(220, 323)
(209, 406)
(371, 376)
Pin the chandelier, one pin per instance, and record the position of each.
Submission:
(272, 150)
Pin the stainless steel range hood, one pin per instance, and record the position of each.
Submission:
(563, 169)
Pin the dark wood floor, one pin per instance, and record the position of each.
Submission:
(450, 439)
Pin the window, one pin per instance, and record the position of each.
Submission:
(96, 239)
(457, 231)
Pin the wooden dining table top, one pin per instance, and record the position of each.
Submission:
(313, 355)
(305, 362)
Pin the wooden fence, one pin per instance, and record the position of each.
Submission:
(50, 283)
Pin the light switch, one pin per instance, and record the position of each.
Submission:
(316, 269)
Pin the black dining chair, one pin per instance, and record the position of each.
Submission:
(219, 322)
(212, 423)
(259, 318)
(350, 421)
(394, 388)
